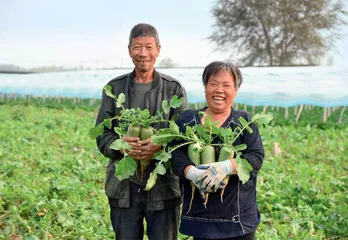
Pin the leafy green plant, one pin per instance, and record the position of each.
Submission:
(201, 150)
(200, 136)
(52, 177)
(134, 122)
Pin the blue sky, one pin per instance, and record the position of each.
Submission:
(72, 33)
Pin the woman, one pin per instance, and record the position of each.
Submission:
(237, 216)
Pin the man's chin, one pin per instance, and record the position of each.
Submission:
(144, 70)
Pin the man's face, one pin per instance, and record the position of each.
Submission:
(144, 53)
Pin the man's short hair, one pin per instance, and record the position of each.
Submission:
(143, 30)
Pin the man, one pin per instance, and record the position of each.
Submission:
(144, 88)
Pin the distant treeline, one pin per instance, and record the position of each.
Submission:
(14, 69)
(10, 68)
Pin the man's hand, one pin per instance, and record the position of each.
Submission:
(147, 149)
(211, 180)
(136, 147)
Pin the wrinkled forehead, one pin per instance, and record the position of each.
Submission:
(143, 41)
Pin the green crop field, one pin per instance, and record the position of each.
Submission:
(52, 174)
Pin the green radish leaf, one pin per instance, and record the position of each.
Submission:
(143, 114)
(151, 181)
(61, 217)
(176, 102)
(120, 131)
(223, 132)
(243, 169)
(163, 155)
(210, 125)
(174, 127)
(119, 144)
(202, 133)
(243, 121)
(249, 129)
(108, 123)
(308, 127)
(227, 135)
(261, 119)
(189, 131)
(238, 129)
(208, 121)
(165, 107)
(247, 165)
(160, 169)
(163, 139)
(108, 92)
(182, 236)
(96, 131)
(196, 138)
(164, 131)
(120, 100)
(240, 147)
(125, 168)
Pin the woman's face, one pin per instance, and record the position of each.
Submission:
(220, 92)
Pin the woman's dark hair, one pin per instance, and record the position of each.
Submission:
(219, 66)
(143, 30)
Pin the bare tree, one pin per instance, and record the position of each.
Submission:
(277, 32)
(167, 63)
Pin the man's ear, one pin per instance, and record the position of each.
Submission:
(158, 50)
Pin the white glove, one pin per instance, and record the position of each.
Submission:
(211, 179)
(192, 175)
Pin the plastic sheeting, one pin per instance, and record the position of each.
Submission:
(273, 86)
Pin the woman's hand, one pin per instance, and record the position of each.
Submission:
(192, 173)
(212, 179)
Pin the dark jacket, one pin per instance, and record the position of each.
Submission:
(238, 214)
(166, 192)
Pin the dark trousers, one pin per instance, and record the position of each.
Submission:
(249, 236)
(128, 223)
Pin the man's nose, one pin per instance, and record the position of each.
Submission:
(143, 51)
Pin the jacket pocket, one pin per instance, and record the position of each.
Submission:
(250, 218)
(166, 188)
(114, 188)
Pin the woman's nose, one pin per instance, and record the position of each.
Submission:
(219, 89)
